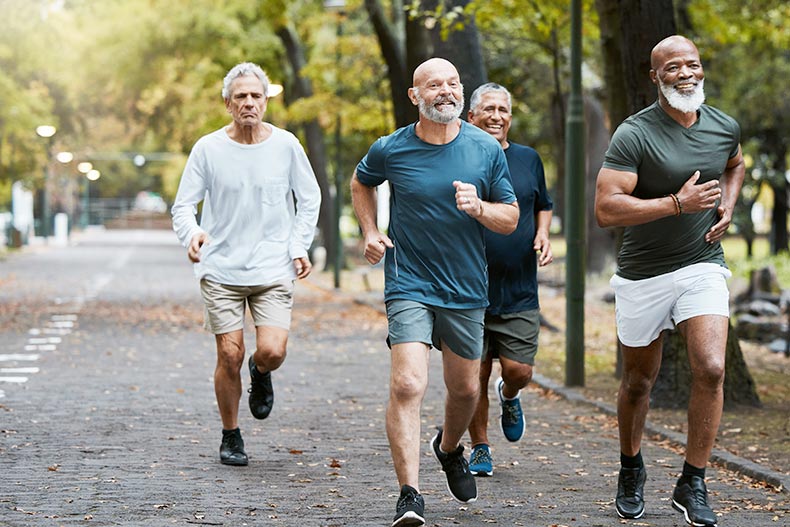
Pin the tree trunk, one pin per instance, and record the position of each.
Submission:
(462, 48)
(314, 135)
(391, 39)
(675, 387)
(643, 24)
(600, 242)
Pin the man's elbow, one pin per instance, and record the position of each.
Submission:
(512, 223)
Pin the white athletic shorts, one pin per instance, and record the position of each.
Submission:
(644, 308)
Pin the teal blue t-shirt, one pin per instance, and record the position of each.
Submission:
(439, 254)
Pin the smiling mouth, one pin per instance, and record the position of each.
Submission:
(685, 86)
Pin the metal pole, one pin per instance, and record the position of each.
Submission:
(575, 211)
(45, 215)
(338, 266)
(84, 214)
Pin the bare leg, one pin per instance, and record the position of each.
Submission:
(270, 344)
(461, 377)
(227, 376)
(516, 375)
(478, 427)
(640, 368)
(706, 341)
(408, 382)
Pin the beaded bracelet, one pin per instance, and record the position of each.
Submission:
(676, 201)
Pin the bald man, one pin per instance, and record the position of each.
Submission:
(671, 177)
(449, 182)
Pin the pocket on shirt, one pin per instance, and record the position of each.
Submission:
(277, 219)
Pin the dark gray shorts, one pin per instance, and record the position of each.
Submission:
(460, 329)
(513, 336)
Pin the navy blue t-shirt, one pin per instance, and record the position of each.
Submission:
(439, 255)
(512, 262)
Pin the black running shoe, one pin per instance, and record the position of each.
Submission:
(261, 392)
(460, 482)
(630, 500)
(231, 451)
(410, 510)
(691, 498)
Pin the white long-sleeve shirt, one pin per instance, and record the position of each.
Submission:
(254, 225)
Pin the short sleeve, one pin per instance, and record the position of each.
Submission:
(501, 185)
(371, 170)
(625, 149)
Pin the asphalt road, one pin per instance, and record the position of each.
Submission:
(107, 415)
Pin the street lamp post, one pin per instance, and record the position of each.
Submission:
(84, 168)
(92, 175)
(338, 6)
(47, 132)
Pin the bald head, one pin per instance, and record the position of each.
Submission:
(434, 67)
(673, 45)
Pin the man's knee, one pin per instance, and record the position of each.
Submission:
(636, 386)
(464, 390)
(516, 374)
(709, 373)
(406, 387)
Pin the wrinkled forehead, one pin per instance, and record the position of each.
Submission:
(247, 84)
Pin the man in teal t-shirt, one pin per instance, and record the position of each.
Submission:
(449, 181)
(671, 177)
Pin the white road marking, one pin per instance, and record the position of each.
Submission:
(17, 380)
(19, 370)
(8, 357)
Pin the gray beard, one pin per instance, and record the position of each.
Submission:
(684, 103)
(438, 116)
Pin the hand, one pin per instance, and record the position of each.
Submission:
(302, 266)
(696, 198)
(376, 245)
(466, 199)
(716, 233)
(197, 241)
(542, 246)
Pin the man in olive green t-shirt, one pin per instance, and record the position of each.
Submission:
(671, 177)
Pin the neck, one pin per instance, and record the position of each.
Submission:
(685, 119)
(437, 133)
(249, 135)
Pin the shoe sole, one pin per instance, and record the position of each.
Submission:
(501, 403)
(629, 516)
(481, 473)
(410, 519)
(434, 449)
(680, 508)
(232, 463)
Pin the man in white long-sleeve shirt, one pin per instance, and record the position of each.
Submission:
(251, 243)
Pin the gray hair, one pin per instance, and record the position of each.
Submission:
(241, 70)
(488, 87)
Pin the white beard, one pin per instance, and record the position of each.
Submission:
(440, 116)
(682, 102)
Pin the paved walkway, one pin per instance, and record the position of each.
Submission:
(120, 428)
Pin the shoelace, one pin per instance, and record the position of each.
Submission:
(511, 412)
(408, 499)
(456, 464)
(630, 483)
(480, 456)
(700, 496)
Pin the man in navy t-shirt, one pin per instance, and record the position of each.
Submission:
(449, 184)
(512, 320)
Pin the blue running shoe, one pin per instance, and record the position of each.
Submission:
(480, 462)
(512, 419)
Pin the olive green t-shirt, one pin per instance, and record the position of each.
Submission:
(664, 154)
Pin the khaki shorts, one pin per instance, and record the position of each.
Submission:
(513, 336)
(225, 305)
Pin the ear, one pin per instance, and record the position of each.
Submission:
(654, 77)
(413, 97)
(227, 105)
